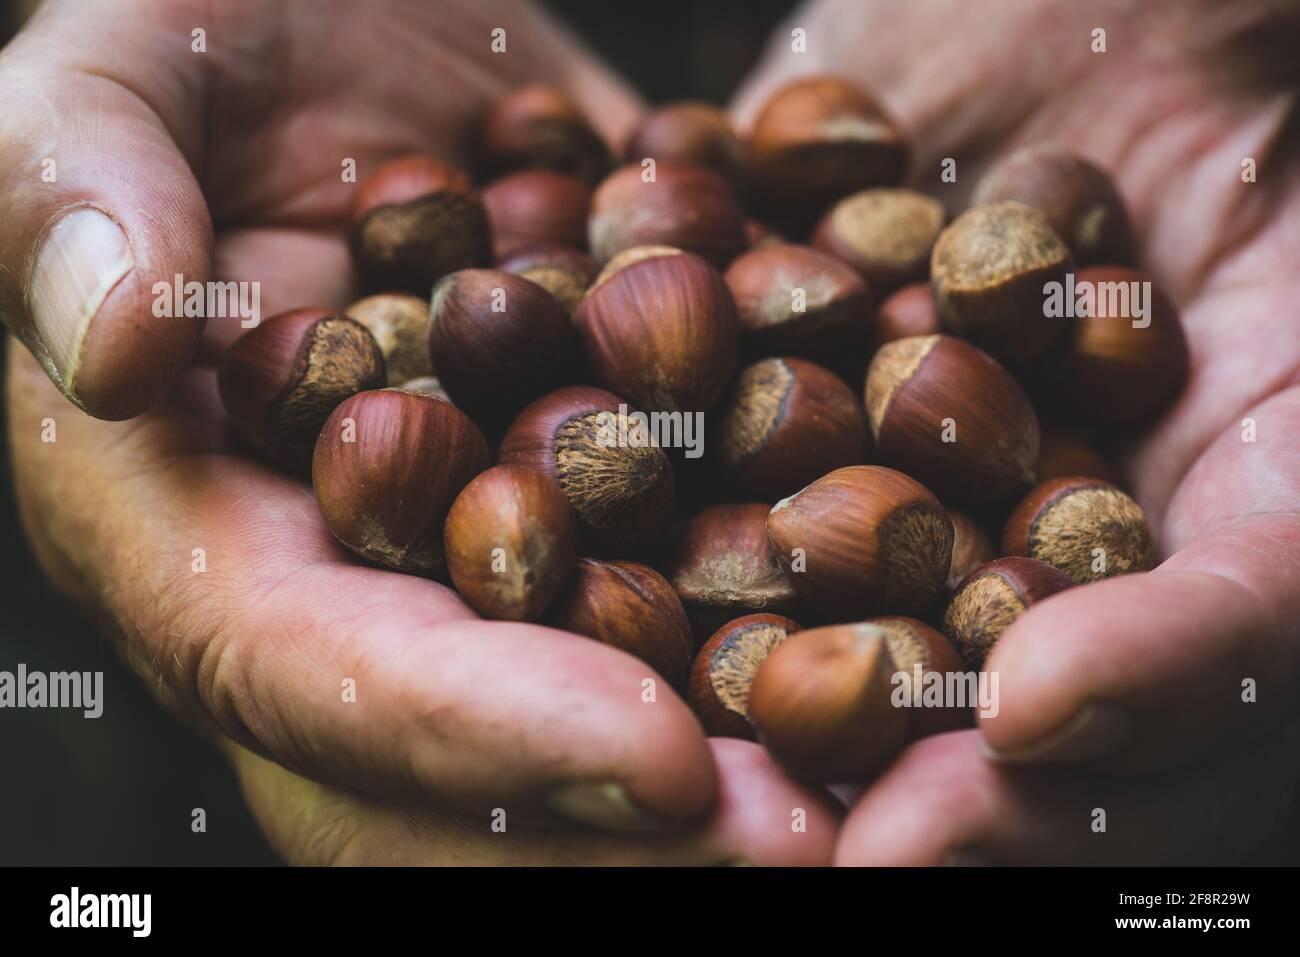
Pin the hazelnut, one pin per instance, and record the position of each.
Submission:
(914, 644)
(794, 300)
(822, 703)
(511, 539)
(631, 607)
(387, 466)
(786, 423)
(688, 207)
(426, 385)
(1063, 453)
(563, 272)
(661, 331)
(819, 139)
(1078, 198)
(723, 566)
(885, 234)
(497, 341)
(760, 234)
(1109, 369)
(415, 220)
(280, 380)
(947, 413)
(629, 257)
(537, 206)
(991, 598)
(908, 312)
(1085, 527)
(989, 268)
(540, 125)
(863, 540)
(622, 491)
(971, 547)
(400, 324)
(724, 670)
(694, 133)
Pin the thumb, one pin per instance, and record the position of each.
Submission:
(98, 203)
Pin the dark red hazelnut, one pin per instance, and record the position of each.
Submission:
(387, 466)
(786, 423)
(631, 607)
(415, 220)
(281, 380)
(687, 207)
(661, 331)
(537, 206)
(542, 126)
(724, 670)
(620, 484)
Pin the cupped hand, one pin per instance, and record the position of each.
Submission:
(371, 716)
(1165, 700)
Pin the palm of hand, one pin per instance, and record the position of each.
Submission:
(1146, 673)
(433, 720)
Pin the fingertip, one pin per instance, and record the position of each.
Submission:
(767, 817)
(112, 345)
(921, 809)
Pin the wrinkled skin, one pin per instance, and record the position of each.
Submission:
(454, 717)
(1126, 695)
(1139, 677)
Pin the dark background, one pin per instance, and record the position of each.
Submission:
(120, 789)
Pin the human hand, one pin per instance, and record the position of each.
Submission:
(1126, 695)
(259, 636)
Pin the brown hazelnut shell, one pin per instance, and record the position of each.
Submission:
(724, 670)
(872, 540)
(1061, 521)
(687, 207)
(722, 566)
(386, 468)
(912, 642)
(988, 269)
(816, 140)
(623, 494)
(511, 539)
(834, 324)
(541, 126)
(563, 272)
(534, 206)
(1063, 453)
(993, 596)
(914, 384)
(400, 324)
(281, 380)
(822, 703)
(887, 235)
(908, 312)
(631, 607)
(415, 220)
(661, 331)
(689, 132)
(498, 341)
(1076, 195)
(971, 547)
(1108, 370)
(786, 423)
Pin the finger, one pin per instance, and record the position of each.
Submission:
(235, 603)
(1151, 670)
(944, 803)
(99, 202)
(761, 817)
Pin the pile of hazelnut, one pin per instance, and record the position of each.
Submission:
(872, 389)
